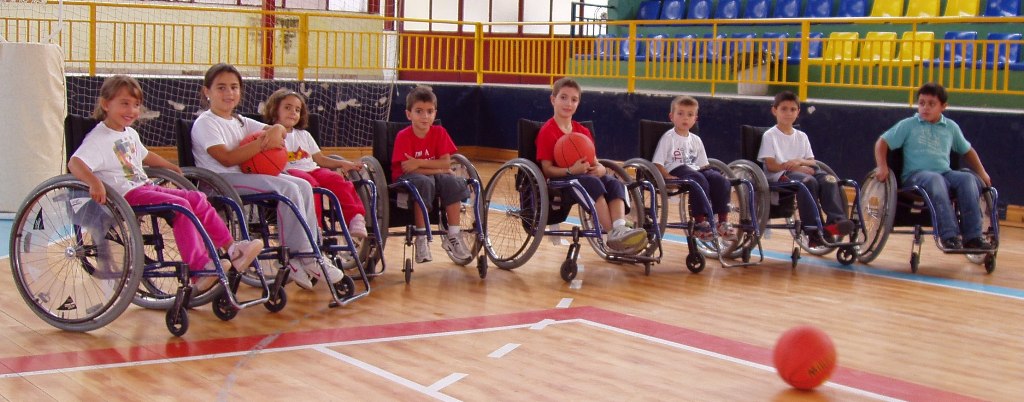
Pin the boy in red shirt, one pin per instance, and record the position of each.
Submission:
(422, 156)
(608, 193)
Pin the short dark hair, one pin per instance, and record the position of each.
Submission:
(785, 96)
(565, 82)
(421, 93)
(935, 90)
(274, 102)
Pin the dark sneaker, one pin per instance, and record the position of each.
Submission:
(952, 243)
(814, 240)
(979, 243)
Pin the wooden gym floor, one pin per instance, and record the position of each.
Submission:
(950, 332)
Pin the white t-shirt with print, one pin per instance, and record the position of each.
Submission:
(676, 150)
(115, 157)
(301, 148)
(782, 147)
(210, 130)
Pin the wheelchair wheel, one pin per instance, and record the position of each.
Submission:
(636, 217)
(75, 262)
(514, 213)
(463, 169)
(801, 237)
(747, 170)
(369, 252)
(989, 228)
(738, 214)
(159, 285)
(878, 207)
(644, 170)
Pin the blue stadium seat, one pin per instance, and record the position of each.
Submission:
(813, 49)
(1002, 8)
(743, 42)
(787, 8)
(657, 48)
(728, 9)
(639, 49)
(673, 9)
(711, 48)
(775, 43)
(757, 9)
(699, 10)
(1001, 50)
(852, 8)
(958, 49)
(684, 46)
(818, 9)
(649, 10)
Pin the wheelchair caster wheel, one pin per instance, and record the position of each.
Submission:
(346, 287)
(277, 302)
(407, 269)
(846, 255)
(915, 259)
(647, 269)
(795, 256)
(695, 262)
(990, 263)
(481, 266)
(568, 270)
(223, 309)
(177, 321)
(745, 256)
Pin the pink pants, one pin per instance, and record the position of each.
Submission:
(351, 204)
(190, 243)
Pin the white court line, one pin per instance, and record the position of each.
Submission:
(502, 351)
(542, 324)
(385, 374)
(444, 382)
(564, 303)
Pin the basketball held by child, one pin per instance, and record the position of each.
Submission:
(270, 161)
(804, 357)
(573, 147)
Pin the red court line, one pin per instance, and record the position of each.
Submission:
(845, 376)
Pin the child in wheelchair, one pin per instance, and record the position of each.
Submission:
(927, 139)
(787, 156)
(305, 161)
(215, 138)
(422, 155)
(680, 154)
(608, 193)
(113, 153)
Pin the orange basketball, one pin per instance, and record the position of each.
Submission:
(271, 161)
(805, 357)
(573, 147)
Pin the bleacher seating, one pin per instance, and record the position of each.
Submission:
(727, 9)
(699, 10)
(673, 9)
(887, 8)
(786, 8)
(1002, 8)
(961, 8)
(1001, 50)
(852, 8)
(840, 47)
(814, 47)
(958, 49)
(878, 48)
(922, 8)
(649, 10)
(775, 44)
(683, 46)
(639, 48)
(711, 48)
(757, 9)
(740, 43)
(657, 48)
(916, 47)
(817, 9)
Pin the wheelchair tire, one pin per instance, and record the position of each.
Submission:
(518, 194)
(636, 216)
(737, 208)
(644, 169)
(54, 257)
(462, 168)
(158, 292)
(369, 253)
(744, 169)
(878, 207)
(989, 227)
(801, 237)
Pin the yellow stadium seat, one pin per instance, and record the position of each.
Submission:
(878, 47)
(841, 46)
(962, 8)
(922, 8)
(916, 47)
(887, 8)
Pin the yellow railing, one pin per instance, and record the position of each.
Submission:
(153, 39)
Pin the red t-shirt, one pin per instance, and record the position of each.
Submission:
(437, 143)
(550, 133)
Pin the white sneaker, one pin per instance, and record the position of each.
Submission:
(334, 274)
(454, 245)
(357, 227)
(243, 252)
(624, 239)
(205, 282)
(422, 250)
(299, 276)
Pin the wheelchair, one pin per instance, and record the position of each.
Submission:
(742, 210)
(525, 202)
(78, 264)
(786, 194)
(377, 168)
(260, 217)
(891, 204)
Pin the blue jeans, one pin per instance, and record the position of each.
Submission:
(966, 187)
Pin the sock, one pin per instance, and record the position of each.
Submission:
(619, 223)
(454, 230)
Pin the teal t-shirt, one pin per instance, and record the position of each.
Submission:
(926, 145)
